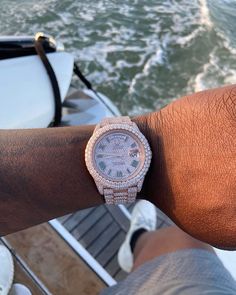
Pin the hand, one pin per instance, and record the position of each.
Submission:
(193, 173)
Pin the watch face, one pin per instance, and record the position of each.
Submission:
(118, 155)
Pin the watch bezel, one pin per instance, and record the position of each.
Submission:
(112, 183)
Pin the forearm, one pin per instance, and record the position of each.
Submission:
(43, 175)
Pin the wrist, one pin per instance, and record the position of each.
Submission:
(79, 137)
(151, 127)
(118, 157)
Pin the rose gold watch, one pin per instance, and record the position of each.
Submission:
(118, 157)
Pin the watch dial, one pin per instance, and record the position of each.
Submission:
(118, 155)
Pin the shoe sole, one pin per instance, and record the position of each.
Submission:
(11, 270)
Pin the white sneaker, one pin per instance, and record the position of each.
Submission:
(143, 216)
(6, 270)
(19, 289)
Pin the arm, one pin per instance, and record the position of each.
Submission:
(193, 173)
(43, 175)
(192, 176)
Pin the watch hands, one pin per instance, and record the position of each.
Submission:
(108, 155)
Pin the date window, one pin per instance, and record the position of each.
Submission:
(134, 153)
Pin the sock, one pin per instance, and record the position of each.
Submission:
(135, 237)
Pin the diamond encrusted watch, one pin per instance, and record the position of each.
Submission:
(118, 157)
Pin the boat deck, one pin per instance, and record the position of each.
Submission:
(46, 264)
(101, 231)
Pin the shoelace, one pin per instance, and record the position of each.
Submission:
(141, 221)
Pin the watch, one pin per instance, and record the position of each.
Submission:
(118, 157)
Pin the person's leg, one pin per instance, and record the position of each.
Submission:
(143, 241)
(151, 244)
(167, 260)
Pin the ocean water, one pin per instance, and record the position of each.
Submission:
(141, 53)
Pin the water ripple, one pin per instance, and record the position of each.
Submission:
(141, 53)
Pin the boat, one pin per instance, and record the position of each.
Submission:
(27, 85)
(37, 92)
(29, 101)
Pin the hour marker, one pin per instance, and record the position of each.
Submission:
(133, 145)
(134, 163)
(101, 146)
(99, 156)
(108, 140)
(128, 170)
(119, 174)
(109, 172)
(102, 165)
(126, 138)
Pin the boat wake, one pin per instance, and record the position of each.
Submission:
(141, 55)
(205, 15)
